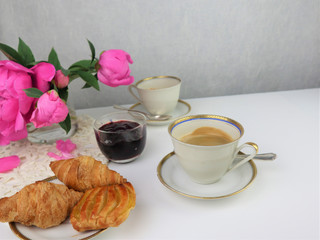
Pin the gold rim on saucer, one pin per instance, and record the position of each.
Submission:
(169, 155)
(179, 101)
(15, 230)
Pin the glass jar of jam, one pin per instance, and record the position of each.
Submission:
(121, 136)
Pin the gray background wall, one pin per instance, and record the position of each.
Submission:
(217, 47)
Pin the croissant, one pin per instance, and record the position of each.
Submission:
(42, 204)
(84, 172)
(103, 207)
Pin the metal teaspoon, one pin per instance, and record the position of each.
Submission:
(261, 156)
(149, 116)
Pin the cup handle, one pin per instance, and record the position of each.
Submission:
(246, 159)
(132, 93)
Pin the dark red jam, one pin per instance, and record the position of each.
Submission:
(121, 140)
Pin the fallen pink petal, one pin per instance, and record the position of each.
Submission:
(9, 163)
(65, 146)
(67, 155)
(55, 156)
(62, 155)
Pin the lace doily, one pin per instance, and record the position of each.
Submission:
(34, 164)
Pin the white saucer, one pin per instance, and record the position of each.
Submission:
(63, 231)
(172, 176)
(181, 109)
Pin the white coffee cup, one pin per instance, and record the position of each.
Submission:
(159, 95)
(208, 164)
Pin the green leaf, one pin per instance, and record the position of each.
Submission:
(31, 64)
(93, 51)
(11, 54)
(33, 92)
(86, 86)
(82, 64)
(65, 72)
(55, 87)
(26, 53)
(66, 124)
(89, 79)
(54, 60)
(73, 76)
(63, 93)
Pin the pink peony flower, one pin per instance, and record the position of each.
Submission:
(44, 73)
(61, 80)
(17, 109)
(50, 109)
(8, 163)
(114, 68)
(15, 105)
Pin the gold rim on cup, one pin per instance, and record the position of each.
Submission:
(149, 78)
(205, 116)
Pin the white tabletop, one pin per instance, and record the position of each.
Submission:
(282, 202)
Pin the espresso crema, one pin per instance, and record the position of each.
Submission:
(207, 136)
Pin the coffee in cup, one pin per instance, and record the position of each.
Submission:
(159, 95)
(207, 145)
(207, 136)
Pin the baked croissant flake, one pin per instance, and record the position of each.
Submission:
(84, 172)
(103, 207)
(42, 204)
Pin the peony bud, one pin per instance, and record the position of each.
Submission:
(113, 69)
(60, 80)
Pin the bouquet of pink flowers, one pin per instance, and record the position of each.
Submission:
(37, 92)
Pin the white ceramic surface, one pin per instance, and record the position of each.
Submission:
(159, 95)
(208, 164)
(174, 178)
(181, 109)
(62, 232)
